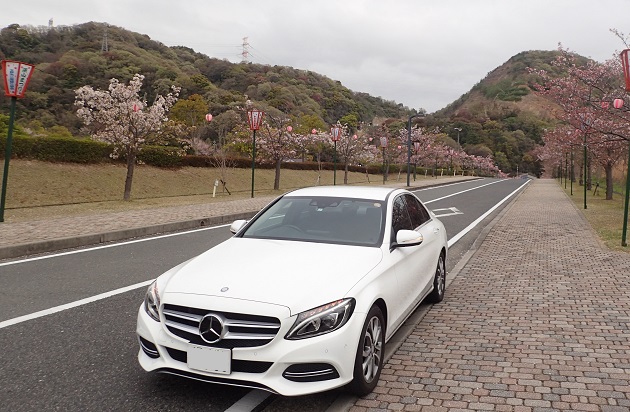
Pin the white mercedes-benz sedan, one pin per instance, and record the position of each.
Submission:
(303, 297)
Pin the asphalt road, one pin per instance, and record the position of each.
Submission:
(84, 357)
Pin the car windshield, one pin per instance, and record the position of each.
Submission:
(321, 219)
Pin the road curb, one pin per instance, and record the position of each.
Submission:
(52, 245)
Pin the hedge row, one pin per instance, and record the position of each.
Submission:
(72, 150)
(57, 149)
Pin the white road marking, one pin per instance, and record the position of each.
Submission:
(105, 295)
(459, 193)
(127, 242)
(470, 227)
(250, 401)
(74, 304)
(452, 211)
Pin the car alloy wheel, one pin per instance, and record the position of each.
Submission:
(370, 352)
(439, 281)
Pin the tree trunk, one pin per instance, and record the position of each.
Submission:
(609, 180)
(131, 164)
(276, 181)
(345, 174)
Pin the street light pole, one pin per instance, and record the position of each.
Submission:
(7, 156)
(625, 63)
(459, 147)
(335, 132)
(409, 143)
(383, 141)
(16, 76)
(255, 120)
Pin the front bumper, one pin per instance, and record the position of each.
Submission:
(285, 367)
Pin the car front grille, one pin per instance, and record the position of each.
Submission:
(242, 330)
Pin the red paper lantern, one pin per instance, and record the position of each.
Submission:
(208, 117)
(314, 131)
(354, 137)
(605, 105)
(618, 103)
(289, 129)
(136, 107)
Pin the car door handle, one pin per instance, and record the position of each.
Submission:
(436, 230)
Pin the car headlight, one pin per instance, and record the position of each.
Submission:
(152, 301)
(321, 320)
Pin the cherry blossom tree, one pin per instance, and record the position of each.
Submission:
(120, 117)
(351, 149)
(583, 102)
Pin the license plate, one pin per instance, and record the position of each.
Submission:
(214, 360)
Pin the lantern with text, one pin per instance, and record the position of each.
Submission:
(335, 132)
(255, 121)
(16, 76)
(618, 103)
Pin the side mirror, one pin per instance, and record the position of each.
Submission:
(406, 238)
(237, 225)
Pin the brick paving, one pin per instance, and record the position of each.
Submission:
(538, 320)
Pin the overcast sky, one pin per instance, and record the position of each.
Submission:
(421, 53)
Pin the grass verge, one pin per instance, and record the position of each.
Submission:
(38, 190)
(605, 216)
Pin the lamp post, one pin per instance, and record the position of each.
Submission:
(335, 132)
(409, 143)
(459, 146)
(383, 141)
(255, 120)
(459, 129)
(416, 149)
(16, 76)
(625, 62)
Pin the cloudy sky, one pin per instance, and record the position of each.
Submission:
(421, 53)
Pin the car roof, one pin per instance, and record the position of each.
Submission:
(353, 192)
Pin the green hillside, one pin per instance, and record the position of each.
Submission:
(69, 57)
(499, 116)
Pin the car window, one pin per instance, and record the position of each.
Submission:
(418, 213)
(321, 219)
(400, 217)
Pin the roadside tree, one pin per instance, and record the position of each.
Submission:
(120, 117)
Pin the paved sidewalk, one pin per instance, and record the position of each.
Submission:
(537, 320)
(22, 238)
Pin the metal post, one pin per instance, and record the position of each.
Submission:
(572, 172)
(253, 161)
(7, 157)
(383, 164)
(585, 171)
(409, 149)
(566, 169)
(335, 166)
(624, 232)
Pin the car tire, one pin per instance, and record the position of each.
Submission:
(439, 281)
(370, 353)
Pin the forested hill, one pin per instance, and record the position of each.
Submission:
(69, 57)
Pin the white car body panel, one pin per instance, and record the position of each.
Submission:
(280, 279)
(269, 270)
